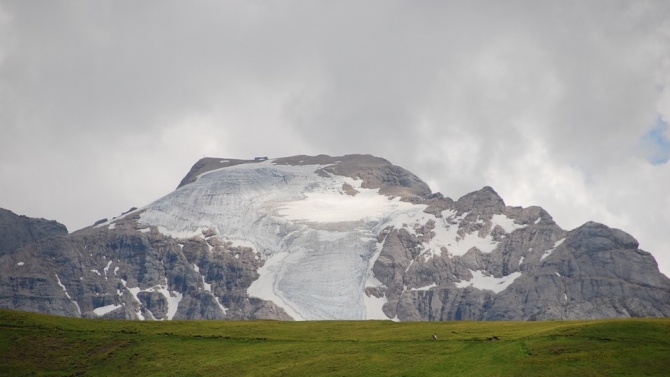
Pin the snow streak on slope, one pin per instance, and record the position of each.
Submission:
(67, 294)
(318, 242)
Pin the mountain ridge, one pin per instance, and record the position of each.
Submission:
(320, 237)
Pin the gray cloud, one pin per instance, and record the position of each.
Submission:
(105, 105)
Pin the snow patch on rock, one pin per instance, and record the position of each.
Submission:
(425, 288)
(102, 310)
(548, 252)
(484, 281)
(509, 225)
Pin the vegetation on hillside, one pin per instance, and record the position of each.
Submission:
(36, 344)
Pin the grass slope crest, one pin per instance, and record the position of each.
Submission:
(36, 344)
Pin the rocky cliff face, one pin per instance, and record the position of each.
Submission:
(319, 237)
(17, 231)
(133, 272)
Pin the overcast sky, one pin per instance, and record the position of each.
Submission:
(105, 105)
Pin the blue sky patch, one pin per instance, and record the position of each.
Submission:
(655, 143)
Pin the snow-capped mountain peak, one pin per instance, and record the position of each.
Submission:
(351, 237)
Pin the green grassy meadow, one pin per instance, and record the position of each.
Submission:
(35, 344)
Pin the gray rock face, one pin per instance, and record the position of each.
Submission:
(474, 258)
(17, 231)
(131, 273)
(591, 272)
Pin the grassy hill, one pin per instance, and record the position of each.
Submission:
(35, 344)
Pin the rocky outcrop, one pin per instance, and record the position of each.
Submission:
(374, 171)
(17, 231)
(419, 256)
(127, 272)
(207, 164)
(583, 277)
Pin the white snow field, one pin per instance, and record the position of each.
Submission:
(280, 211)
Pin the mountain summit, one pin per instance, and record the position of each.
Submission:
(319, 238)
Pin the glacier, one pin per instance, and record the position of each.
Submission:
(318, 238)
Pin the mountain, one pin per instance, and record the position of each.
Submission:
(319, 238)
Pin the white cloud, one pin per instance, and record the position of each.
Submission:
(106, 105)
